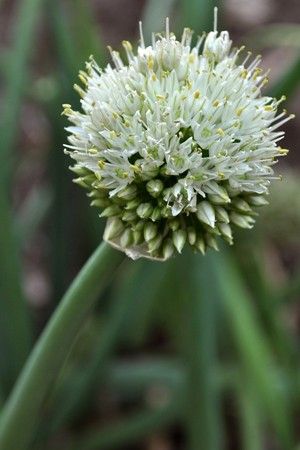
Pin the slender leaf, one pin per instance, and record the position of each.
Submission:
(252, 345)
(276, 35)
(15, 329)
(130, 430)
(288, 82)
(198, 14)
(86, 32)
(33, 212)
(154, 16)
(251, 420)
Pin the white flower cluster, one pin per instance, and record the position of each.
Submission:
(176, 144)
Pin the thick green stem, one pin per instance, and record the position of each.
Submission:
(20, 415)
(199, 317)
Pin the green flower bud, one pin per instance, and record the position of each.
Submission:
(133, 204)
(168, 249)
(200, 245)
(217, 199)
(222, 214)
(150, 231)
(126, 239)
(113, 228)
(100, 202)
(241, 205)
(128, 193)
(155, 243)
(192, 235)
(211, 242)
(138, 237)
(205, 213)
(257, 200)
(225, 230)
(155, 187)
(129, 216)
(111, 211)
(156, 214)
(179, 239)
(144, 210)
(174, 224)
(242, 220)
(214, 189)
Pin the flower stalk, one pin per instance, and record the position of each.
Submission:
(20, 415)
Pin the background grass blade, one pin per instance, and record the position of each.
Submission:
(130, 430)
(33, 212)
(250, 417)
(198, 14)
(276, 35)
(14, 340)
(288, 82)
(252, 345)
(154, 16)
(87, 33)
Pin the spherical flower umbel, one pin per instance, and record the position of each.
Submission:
(177, 144)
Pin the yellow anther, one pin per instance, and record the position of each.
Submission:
(197, 93)
(188, 83)
(239, 111)
(92, 151)
(283, 151)
(101, 164)
(127, 45)
(191, 59)
(154, 77)
(136, 168)
(67, 110)
(79, 90)
(220, 132)
(244, 74)
(268, 108)
(216, 103)
(160, 97)
(150, 62)
(257, 72)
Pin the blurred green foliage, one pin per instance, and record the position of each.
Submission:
(201, 339)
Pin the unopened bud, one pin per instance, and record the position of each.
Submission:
(222, 214)
(257, 200)
(144, 210)
(205, 213)
(155, 187)
(150, 231)
(179, 239)
(192, 235)
(126, 238)
(110, 211)
(113, 228)
(128, 193)
(241, 220)
(168, 249)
